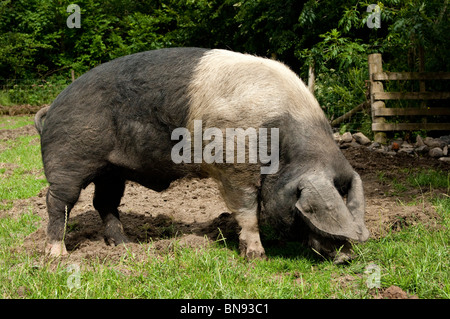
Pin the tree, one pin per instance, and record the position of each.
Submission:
(36, 42)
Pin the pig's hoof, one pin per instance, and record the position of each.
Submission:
(114, 233)
(253, 253)
(116, 239)
(56, 249)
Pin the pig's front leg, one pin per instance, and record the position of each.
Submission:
(249, 239)
(242, 200)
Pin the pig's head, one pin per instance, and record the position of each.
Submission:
(322, 206)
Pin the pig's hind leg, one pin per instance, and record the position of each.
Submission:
(109, 190)
(60, 201)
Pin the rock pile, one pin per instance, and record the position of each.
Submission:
(428, 146)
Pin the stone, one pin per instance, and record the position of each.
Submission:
(434, 142)
(337, 137)
(354, 144)
(422, 149)
(361, 138)
(406, 148)
(445, 138)
(445, 151)
(428, 140)
(346, 137)
(436, 152)
(348, 145)
(419, 141)
(391, 153)
(445, 159)
(374, 146)
(406, 145)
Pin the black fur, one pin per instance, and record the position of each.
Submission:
(113, 124)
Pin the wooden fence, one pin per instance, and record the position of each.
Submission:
(380, 112)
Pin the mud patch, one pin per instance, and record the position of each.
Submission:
(10, 134)
(6, 169)
(388, 209)
(190, 213)
(392, 292)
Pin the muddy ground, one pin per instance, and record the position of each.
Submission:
(192, 211)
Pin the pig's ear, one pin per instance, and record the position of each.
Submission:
(356, 204)
(323, 208)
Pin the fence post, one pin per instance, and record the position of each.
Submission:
(375, 66)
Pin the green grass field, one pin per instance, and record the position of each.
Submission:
(416, 259)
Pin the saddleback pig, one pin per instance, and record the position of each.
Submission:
(115, 123)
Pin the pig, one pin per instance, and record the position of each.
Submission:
(114, 124)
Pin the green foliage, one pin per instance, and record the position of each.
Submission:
(14, 230)
(340, 54)
(35, 41)
(32, 91)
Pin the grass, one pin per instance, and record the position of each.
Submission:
(430, 179)
(416, 258)
(13, 122)
(186, 273)
(19, 162)
(424, 179)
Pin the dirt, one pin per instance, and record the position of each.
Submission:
(189, 213)
(388, 209)
(192, 213)
(351, 282)
(393, 292)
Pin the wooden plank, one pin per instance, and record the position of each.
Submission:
(383, 127)
(412, 111)
(376, 66)
(385, 76)
(411, 95)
